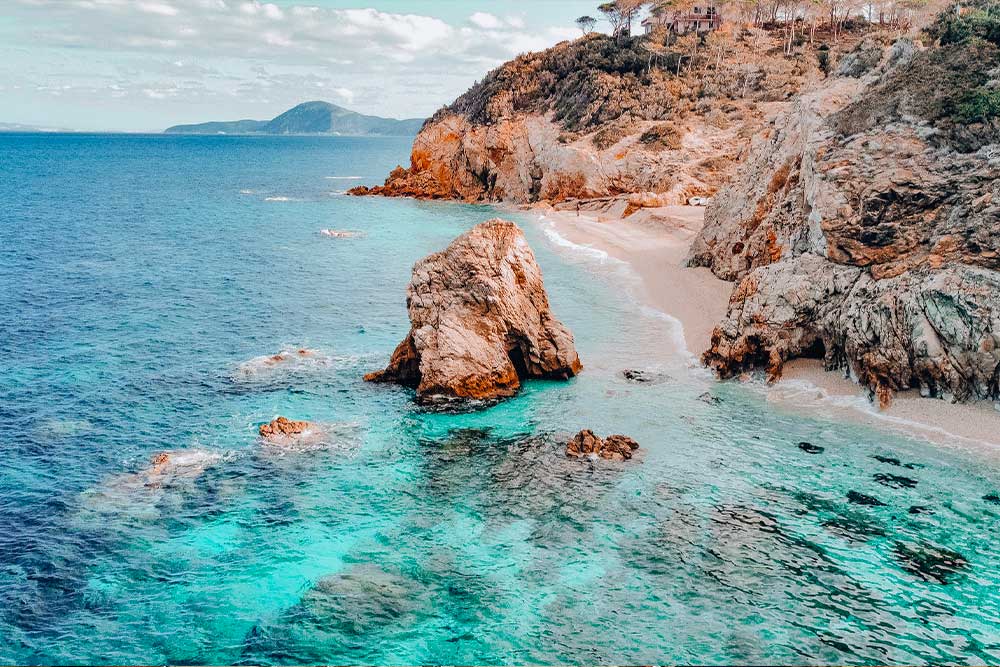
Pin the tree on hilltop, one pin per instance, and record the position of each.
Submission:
(586, 24)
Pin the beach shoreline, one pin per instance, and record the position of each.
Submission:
(654, 243)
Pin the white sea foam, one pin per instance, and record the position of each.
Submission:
(343, 436)
(278, 199)
(549, 229)
(341, 233)
(248, 192)
(288, 360)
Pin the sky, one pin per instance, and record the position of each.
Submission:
(143, 65)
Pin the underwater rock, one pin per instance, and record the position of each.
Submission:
(644, 377)
(480, 321)
(862, 499)
(854, 528)
(930, 562)
(362, 598)
(894, 481)
(893, 461)
(708, 398)
(614, 447)
(920, 509)
(810, 448)
(992, 498)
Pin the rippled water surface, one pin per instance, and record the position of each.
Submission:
(143, 283)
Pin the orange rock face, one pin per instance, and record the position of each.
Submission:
(283, 428)
(480, 321)
(614, 447)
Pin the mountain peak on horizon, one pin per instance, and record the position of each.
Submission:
(312, 117)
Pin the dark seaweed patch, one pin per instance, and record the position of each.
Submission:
(930, 562)
(893, 461)
(862, 499)
(810, 448)
(894, 481)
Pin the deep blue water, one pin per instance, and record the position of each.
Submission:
(142, 278)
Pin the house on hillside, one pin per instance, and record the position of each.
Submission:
(701, 19)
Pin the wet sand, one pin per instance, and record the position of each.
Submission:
(655, 242)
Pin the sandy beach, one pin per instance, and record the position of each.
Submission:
(655, 242)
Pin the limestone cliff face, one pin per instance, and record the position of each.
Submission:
(524, 160)
(480, 321)
(593, 118)
(864, 227)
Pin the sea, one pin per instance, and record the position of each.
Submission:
(145, 283)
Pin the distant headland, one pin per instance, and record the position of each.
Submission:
(310, 118)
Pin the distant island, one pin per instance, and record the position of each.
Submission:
(19, 127)
(310, 118)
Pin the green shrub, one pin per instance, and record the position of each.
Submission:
(979, 105)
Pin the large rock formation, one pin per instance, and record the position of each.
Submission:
(480, 321)
(598, 117)
(864, 228)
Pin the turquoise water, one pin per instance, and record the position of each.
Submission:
(140, 275)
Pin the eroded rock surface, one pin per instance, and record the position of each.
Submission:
(480, 321)
(614, 447)
(864, 229)
(281, 430)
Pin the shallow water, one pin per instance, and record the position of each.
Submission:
(141, 277)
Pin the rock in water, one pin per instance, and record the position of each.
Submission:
(480, 321)
(614, 447)
(282, 429)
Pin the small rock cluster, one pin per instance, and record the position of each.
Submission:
(282, 428)
(614, 447)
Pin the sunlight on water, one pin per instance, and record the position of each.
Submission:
(147, 282)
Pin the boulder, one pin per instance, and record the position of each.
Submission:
(480, 321)
(282, 429)
(614, 447)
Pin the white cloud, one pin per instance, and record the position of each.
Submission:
(487, 21)
(256, 55)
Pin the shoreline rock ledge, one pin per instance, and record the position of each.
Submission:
(480, 321)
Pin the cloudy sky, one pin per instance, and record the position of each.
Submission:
(142, 65)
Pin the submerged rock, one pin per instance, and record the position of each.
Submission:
(862, 499)
(710, 399)
(480, 321)
(920, 509)
(893, 461)
(810, 448)
(930, 562)
(894, 481)
(614, 447)
(644, 376)
(992, 498)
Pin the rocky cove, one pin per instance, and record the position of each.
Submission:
(854, 214)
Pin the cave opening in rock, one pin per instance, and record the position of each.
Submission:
(516, 357)
(816, 350)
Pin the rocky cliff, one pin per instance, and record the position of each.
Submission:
(864, 226)
(480, 321)
(598, 117)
